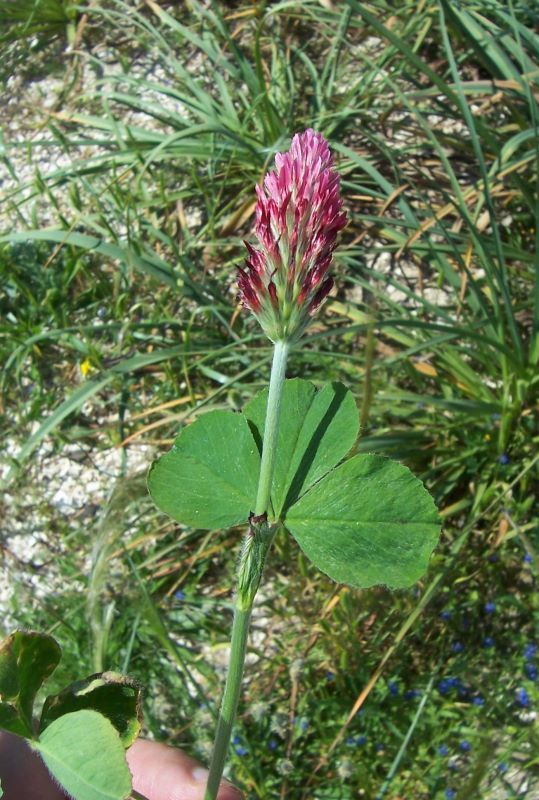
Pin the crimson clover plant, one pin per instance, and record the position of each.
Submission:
(281, 464)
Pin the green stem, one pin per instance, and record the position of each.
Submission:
(238, 646)
(255, 548)
(271, 426)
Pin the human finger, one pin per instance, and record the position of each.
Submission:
(23, 774)
(161, 772)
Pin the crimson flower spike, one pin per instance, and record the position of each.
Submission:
(298, 216)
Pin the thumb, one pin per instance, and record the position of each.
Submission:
(166, 773)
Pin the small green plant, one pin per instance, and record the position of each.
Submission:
(101, 714)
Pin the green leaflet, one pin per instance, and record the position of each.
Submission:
(209, 478)
(316, 430)
(369, 521)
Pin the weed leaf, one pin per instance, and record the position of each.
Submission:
(109, 693)
(94, 769)
(10, 720)
(26, 661)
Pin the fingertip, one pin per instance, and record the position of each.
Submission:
(226, 790)
(161, 772)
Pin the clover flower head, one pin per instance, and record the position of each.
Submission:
(298, 216)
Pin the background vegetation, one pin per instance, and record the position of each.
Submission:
(127, 193)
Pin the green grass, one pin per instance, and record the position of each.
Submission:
(435, 131)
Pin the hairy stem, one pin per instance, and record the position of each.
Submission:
(238, 645)
(271, 426)
(253, 556)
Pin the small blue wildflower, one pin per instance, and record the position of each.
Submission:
(241, 750)
(236, 739)
(530, 651)
(179, 595)
(522, 698)
(450, 793)
(493, 558)
(304, 724)
(531, 671)
(272, 744)
(454, 683)
(446, 615)
(443, 750)
(356, 741)
(478, 700)
(457, 647)
(393, 688)
(411, 694)
(465, 746)
(504, 459)
(330, 676)
(528, 558)
(490, 607)
(488, 642)
(503, 767)
(444, 686)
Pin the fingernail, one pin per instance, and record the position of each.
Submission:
(200, 774)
